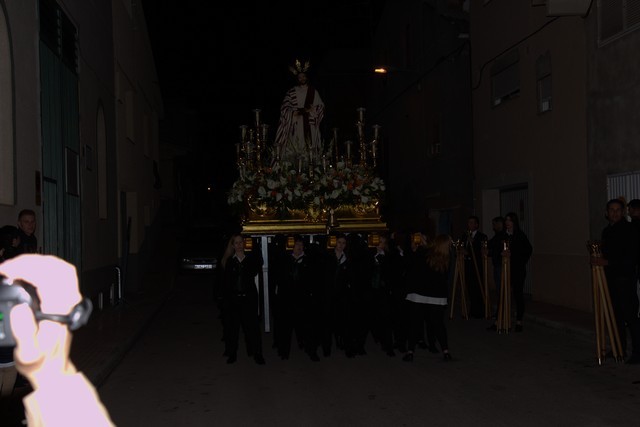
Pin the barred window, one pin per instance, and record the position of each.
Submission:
(505, 78)
(543, 84)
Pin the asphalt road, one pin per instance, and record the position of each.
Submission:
(176, 375)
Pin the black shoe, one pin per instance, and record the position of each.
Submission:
(492, 328)
(408, 357)
(232, 359)
(259, 359)
(447, 356)
(518, 328)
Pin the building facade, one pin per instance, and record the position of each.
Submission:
(63, 155)
(529, 73)
(424, 108)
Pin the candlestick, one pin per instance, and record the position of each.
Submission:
(360, 128)
(376, 131)
(361, 111)
(243, 132)
(348, 144)
(265, 128)
(238, 152)
(257, 111)
(335, 135)
(324, 163)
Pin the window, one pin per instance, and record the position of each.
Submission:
(616, 18)
(7, 157)
(505, 78)
(543, 85)
(58, 32)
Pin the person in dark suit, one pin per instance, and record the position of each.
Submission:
(297, 303)
(381, 298)
(398, 262)
(473, 266)
(337, 281)
(620, 260)
(519, 251)
(240, 298)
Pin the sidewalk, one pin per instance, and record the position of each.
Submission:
(569, 320)
(99, 346)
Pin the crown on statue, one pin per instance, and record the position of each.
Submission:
(298, 68)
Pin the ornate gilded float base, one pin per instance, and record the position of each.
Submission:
(348, 219)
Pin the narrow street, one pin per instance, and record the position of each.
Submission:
(176, 375)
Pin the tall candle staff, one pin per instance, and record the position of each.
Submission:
(603, 309)
(459, 281)
(485, 281)
(504, 307)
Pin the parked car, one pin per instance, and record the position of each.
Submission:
(200, 249)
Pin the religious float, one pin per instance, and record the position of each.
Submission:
(318, 192)
(337, 190)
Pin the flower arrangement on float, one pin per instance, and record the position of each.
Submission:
(282, 189)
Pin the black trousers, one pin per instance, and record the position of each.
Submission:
(624, 300)
(433, 315)
(242, 311)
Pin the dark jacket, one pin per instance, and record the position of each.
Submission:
(239, 277)
(620, 249)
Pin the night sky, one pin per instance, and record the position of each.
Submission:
(216, 63)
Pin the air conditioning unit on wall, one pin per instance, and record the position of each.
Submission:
(568, 7)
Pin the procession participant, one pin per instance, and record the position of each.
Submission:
(398, 263)
(494, 251)
(519, 251)
(380, 312)
(428, 298)
(337, 281)
(241, 299)
(298, 135)
(619, 257)
(296, 295)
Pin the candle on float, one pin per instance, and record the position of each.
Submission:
(376, 131)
